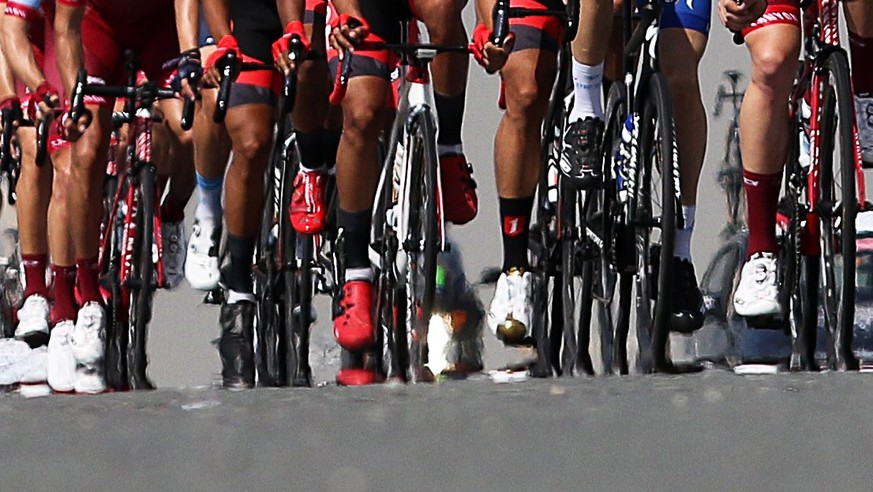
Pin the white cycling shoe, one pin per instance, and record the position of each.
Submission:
(202, 263)
(864, 112)
(173, 237)
(87, 341)
(511, 309)
(758, 291)
(60, 362)
(33, 320)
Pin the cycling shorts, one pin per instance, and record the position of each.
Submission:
(256, 26)
(153, 38)
(687, 14)
(537, 32)
(777, 12)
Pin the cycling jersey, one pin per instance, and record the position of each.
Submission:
(256, 25)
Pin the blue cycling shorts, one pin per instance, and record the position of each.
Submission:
(687, 14)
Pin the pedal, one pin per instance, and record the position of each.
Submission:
(214, 297)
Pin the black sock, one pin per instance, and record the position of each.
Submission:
(309, 144)
(238, 272)
(515, 228)
(329, 144)
(356, 237)
(450, 111)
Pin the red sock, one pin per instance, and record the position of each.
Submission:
(861, 53)
(63, 285)
(88, 280)
(34, 274)
(762, 198)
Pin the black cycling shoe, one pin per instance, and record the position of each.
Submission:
(689, 310)
(581, 162)
(236, 345)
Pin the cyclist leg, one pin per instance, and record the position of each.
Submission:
(249, 122)
(211, 153)
(683, 36)
(764, 135)
(446, 27)
(580, 160)
(528, 77)
(859, 20)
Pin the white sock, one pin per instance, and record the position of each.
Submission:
(682, 246)
(588, 91)
(353, 274)
(209, 199)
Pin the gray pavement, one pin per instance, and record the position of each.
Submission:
(714, 431)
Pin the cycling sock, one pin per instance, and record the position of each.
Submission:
(353, 274)
(63, 287)
(34, 275)
(356, 237)
(682, 246)
(329, 144)
(237, 275)
(861, 53)
(587, 89)
(450, 112)
(88, 280)
(762, 198)
(209, 203)
(454, 149)
(311, 157)
(515, 228)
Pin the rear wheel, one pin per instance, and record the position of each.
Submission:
(837, 209)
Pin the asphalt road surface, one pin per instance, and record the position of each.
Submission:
(711, 431)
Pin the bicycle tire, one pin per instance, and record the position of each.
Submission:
(117, 314)
(422, 243)
(297, 253)
(270, 364)
(143, 286)
(837, 215)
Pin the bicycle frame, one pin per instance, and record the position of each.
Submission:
(823, 39)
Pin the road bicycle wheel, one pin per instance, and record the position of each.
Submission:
(117, 311)
(645, 288)
(270, 354)
(798, 268)
(837, 209)
(422, 240)
(296, 252)
(143, 284)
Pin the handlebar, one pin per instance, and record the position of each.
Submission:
(289, 87)
(503, 12)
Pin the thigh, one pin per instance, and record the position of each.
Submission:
(527, 78)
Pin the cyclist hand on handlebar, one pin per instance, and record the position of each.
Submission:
(71, 128)
(189, 73)
(737, 15)
(284, 57)
(211, 76)
(45, 99)
(486, 53)
(346, 32)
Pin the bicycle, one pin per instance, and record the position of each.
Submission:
(286, 266)
(635, 214)
(823, 199)
(130, 262)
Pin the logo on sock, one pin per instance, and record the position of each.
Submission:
(513, 226)
(751, 182)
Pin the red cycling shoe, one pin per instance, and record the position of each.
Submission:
(307, 203)
(357, 376)
(459, 189)
(353, 327)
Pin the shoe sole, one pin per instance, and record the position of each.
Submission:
(758, 309)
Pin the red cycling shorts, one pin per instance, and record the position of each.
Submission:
(777, 12)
